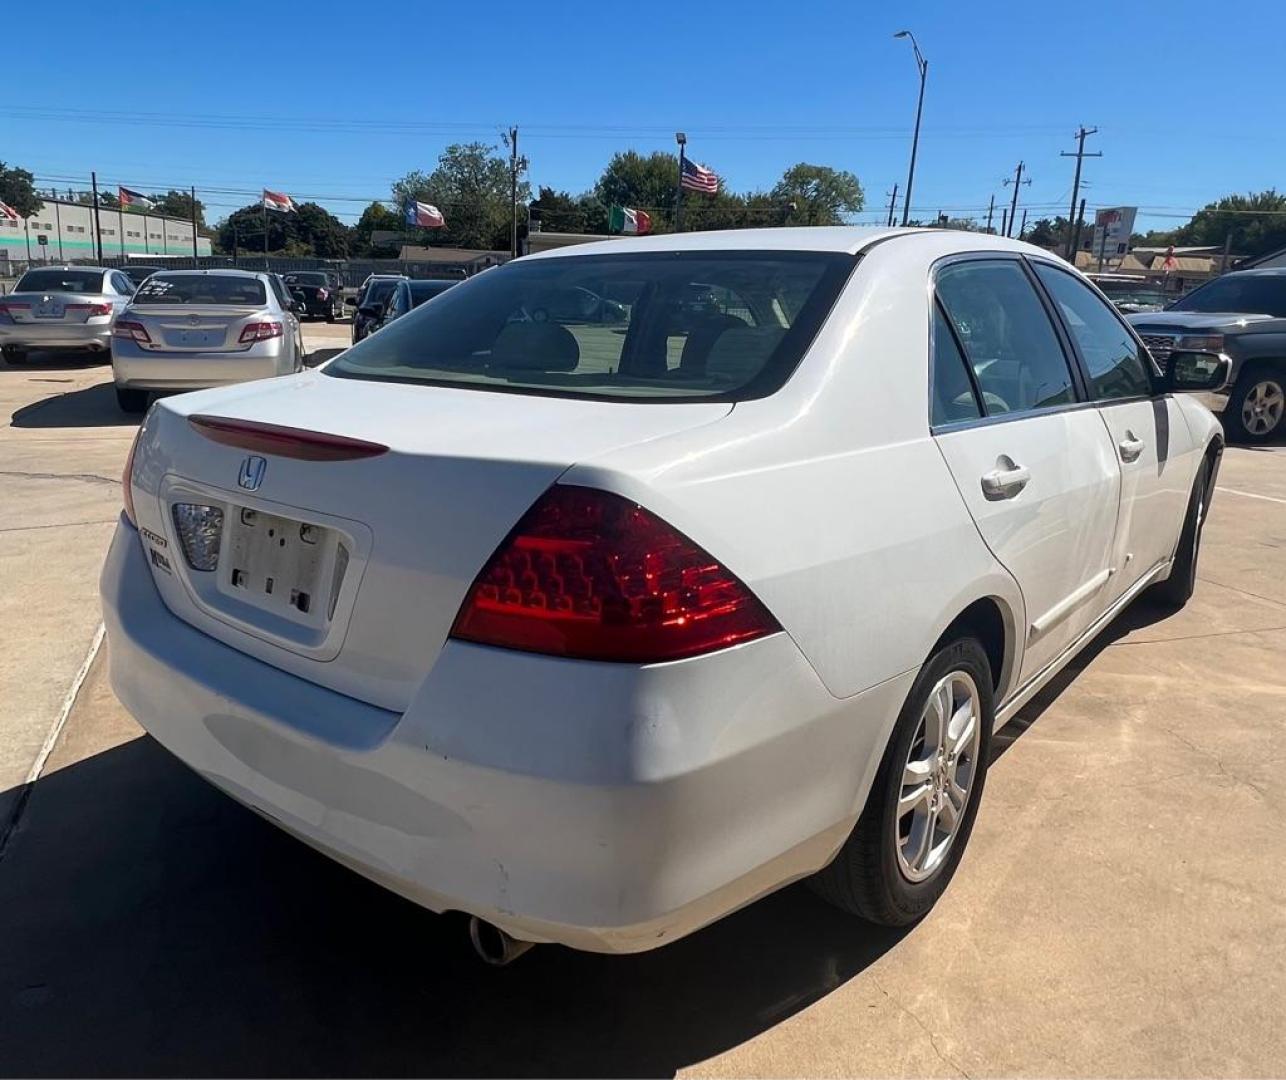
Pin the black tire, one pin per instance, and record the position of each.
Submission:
(1252, 381)
(13, 355)
(865, 878)
(131, 401)
(1176, 590)
(540, 315)
(330, 313)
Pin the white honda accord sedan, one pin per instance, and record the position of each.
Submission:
(596, 631)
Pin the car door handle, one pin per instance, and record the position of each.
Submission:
(1005, 481)
(1130, 447)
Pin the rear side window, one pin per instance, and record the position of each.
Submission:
(953, 396)
(691, 325)
(1109, 350)
(61, 281)
(202, 289)
(1007, 336)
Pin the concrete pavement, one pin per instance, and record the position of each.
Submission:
(1121, 909)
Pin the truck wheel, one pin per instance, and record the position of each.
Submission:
(911, 834)
(1256, 409)
(131, 401)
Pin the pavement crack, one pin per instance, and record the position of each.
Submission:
(1201, 751)
(945, 1058)
(87, 478)
(1196, 637)
(57, 525)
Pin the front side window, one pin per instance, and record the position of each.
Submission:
(1109, 350)
(1007, 336)
(215, 289)
(665, 325)
(61, 281)
(1242, 294)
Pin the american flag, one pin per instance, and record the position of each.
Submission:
(697, 178)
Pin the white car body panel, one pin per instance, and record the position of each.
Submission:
(616, 806)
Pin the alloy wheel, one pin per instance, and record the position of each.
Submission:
(1262, 407)
(938, 776)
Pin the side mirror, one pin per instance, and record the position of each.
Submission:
(1196, 371)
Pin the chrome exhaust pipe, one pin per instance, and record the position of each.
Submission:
(493, 945)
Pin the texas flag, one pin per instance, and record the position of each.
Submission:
(424, 215)
(275, 200)
(129, 197)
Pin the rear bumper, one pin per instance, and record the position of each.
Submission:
(57, 336)
(136, 369)
(604, 806)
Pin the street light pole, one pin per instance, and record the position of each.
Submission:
(922, 66)
(682, 140)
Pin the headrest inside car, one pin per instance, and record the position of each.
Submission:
(528, 346)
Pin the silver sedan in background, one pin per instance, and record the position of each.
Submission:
(190, 329)
(62, 308)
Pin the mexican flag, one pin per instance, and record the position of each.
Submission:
(621, 219)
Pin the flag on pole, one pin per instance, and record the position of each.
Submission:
(130, 198)
(424, 215)
(621, 219)
(698, 178)
(274, 200)
(8, 212)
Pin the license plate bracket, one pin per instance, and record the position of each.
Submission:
(290, 568)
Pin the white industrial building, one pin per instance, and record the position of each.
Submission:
(68, 233)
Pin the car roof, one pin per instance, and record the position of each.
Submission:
(256, 274)
(1259, 271)
(848, 239)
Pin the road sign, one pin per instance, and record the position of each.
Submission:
(42, 239)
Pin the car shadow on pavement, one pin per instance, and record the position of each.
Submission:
(92, 406)
(149, 926)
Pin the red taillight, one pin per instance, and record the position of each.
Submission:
(288, 442)
(93, 309)
(127, 476)
(9, 306)
(590, 575)
(322, 294)
(259, 331)
(134, 331)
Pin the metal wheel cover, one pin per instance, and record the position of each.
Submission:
(938, 776)
(1261, 409)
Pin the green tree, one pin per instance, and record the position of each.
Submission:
(178, 204)
(1051, 233)
(559, 211)
(375, 218)
(17, 189)
(309, 232)
(822, 195)
(320, 231)
(471, 186)
(1255, 221)
(643, 183)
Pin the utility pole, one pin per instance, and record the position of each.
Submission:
(1080, 155)
(922, 66)
(98, 228)
(1023, 227)
(513, 191)
(1004, 222)
(991, 209)
(194, 254)
(1017, 181)
(893, 204)
(1076, 234)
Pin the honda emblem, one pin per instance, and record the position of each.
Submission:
(252, 470)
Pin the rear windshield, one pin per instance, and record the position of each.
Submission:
(61, 281)
(664, 325)
(379, 291)
(306, 279)
(426, 290)
(1252, 294)
(201, 289)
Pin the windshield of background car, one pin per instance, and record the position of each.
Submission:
(378, 291)
(61, 281)
(1251, 295)
(201, 289)
(426, 290)
(307, 279)
(666, 325)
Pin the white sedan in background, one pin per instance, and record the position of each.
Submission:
(599, 632)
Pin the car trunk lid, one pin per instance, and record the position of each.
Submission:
(204, 328)
(40, 308)
(385, 543)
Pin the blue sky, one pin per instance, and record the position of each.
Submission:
(1187, 100)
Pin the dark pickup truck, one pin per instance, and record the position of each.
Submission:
(1241, 316)
(320, 292)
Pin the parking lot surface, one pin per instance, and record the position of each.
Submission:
(1121, 909)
